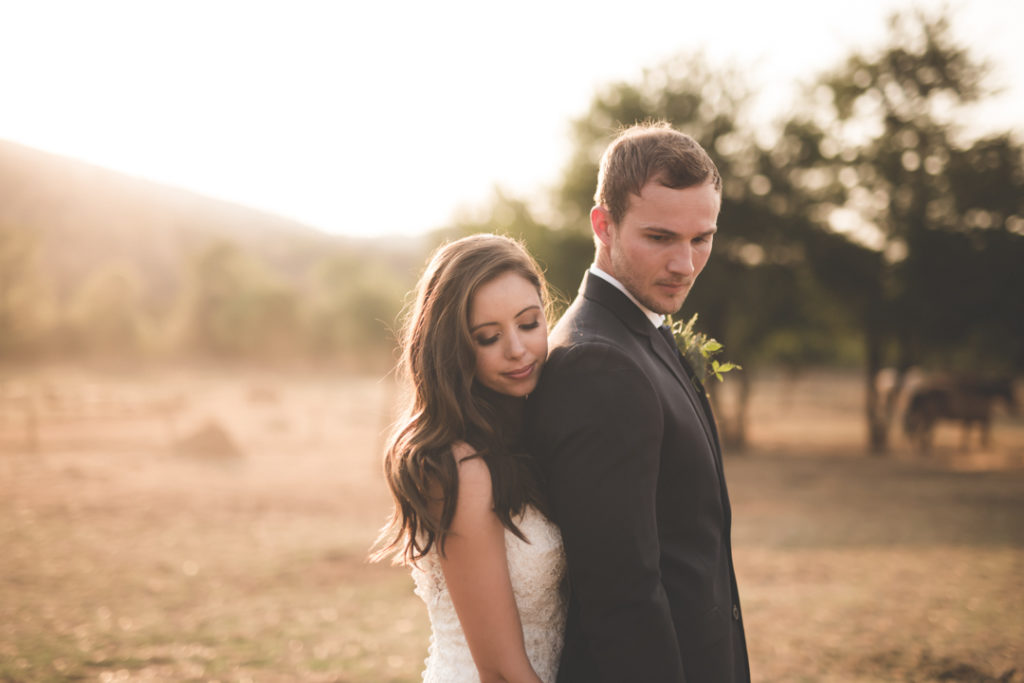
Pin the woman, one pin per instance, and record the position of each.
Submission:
(467, 505)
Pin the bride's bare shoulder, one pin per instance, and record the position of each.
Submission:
(474, 475)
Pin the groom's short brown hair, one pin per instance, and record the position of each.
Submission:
(648, 151)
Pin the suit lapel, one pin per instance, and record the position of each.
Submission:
(693, 389)
(696, 392)
(702, 396)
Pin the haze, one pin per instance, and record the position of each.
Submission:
(389, 118)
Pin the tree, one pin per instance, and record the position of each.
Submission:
(103, 316)
(351, 306)
(234, 305)
(27, 306)
(930, 221)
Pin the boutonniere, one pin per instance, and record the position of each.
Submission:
(699, 349)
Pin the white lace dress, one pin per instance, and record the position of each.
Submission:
(536, 570)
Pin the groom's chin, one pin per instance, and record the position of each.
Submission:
(666, 305)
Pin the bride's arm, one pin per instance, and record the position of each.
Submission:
(476, 571)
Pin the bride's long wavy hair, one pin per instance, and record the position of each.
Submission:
(447, 406)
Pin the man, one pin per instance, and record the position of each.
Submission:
(625, 438)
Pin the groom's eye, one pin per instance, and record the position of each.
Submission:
(659, 237)
(530, 326)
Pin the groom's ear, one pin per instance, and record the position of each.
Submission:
(601, 223)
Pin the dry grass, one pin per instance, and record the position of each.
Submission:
(134, 549)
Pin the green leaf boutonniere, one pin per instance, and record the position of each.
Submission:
(699, 349)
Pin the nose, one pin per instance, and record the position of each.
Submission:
(681, 261)
(514, 347)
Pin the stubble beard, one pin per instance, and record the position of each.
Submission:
(635, 286)
(660, 307)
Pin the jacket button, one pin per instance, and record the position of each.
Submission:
(736, 612)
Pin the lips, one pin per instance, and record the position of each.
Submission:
(674, 286)
(521, 373)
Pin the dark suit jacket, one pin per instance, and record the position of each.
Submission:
(630, 455)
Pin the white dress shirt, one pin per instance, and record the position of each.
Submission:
(657, 319)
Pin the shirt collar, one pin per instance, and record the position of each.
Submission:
(657, 319)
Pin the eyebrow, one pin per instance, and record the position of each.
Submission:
(528, 308)
(673, 233)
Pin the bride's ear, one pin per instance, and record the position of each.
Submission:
(601, 223)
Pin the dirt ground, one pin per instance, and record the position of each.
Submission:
(207, 526)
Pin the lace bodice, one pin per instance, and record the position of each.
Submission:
(536, 569)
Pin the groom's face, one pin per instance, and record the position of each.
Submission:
(662, 242)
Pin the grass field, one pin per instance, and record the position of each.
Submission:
(214, 527)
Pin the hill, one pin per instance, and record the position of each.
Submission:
(83, 215)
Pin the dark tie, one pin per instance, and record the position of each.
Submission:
(666, 332)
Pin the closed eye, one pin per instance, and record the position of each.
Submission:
(530, 326)
(487, 341)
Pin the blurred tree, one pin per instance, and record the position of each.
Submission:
(985, 239)
(234, 305)
(352, 305)
(924, 241)
(27, 305)
(103, 317)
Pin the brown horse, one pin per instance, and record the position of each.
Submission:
(966, 399)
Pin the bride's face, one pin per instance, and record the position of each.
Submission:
(510, 334)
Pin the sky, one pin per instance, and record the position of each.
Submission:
(391, 118)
